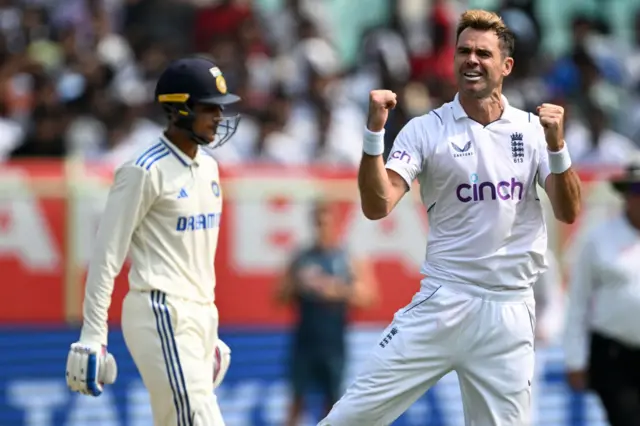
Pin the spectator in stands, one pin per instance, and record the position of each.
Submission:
(85, 58)
(524, 88)
(593, 142)
(564, 78)
(293, 22)
(323, 282)
(436, 66)
(223, 18)
(602, 343)
(46, 136)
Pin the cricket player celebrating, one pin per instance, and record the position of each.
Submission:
(477, 160)
(164, 210)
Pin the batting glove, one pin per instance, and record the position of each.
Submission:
(89, 368)
(221, 363)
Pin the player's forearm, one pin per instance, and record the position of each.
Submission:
(103, 269)
(375, 187)
(97, 301)
(108, 258)
(106, 262)
(565, 195)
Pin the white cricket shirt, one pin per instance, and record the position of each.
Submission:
(164, 211)
(604, 293)
(478, 183)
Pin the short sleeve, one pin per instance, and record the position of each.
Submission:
(543, 166)
(543, 155)
(406, 157)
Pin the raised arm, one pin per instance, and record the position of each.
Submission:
(559, 179)
(382, 187)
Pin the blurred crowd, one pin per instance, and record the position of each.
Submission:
(77, 76)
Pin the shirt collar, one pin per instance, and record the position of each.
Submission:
(183, 158)
(459, 112)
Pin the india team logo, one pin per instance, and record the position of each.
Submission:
(215, 188)
(221, 83)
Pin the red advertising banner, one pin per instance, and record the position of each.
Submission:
(49, 212)
(32, 239)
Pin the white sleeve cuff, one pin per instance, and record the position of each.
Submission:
(89, 335)
(542, 178)
(576, 363)
(401, 171)
(576, 352)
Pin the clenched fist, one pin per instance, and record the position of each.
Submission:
(380, 102)
(552, 120)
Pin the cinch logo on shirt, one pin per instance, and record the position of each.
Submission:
(197, 222)
(401, 155)
(503, 190)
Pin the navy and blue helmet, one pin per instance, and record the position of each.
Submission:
(190, 81)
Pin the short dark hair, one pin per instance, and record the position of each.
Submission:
(488, 21)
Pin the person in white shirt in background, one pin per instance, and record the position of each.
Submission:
(602, 336)
(164, 211)
(594, 142)
(549, 298)
(478, 161)
(549, 302)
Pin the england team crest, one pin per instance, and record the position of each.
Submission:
(517, 147)
(215, 188)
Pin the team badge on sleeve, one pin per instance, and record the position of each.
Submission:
(215, 188)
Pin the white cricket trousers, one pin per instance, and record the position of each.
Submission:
(172, 342)
(486, 337)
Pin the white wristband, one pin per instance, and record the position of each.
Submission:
(559, 161)
(373, 143)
